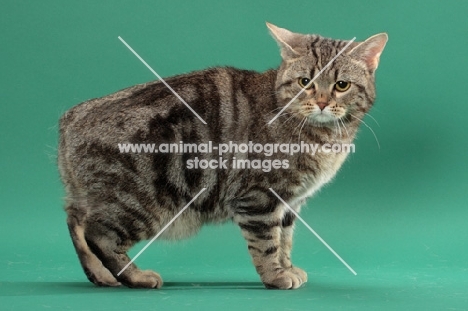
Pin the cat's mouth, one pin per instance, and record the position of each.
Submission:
(326, 116)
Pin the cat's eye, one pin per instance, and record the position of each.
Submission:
(303, 82)
(342, 86)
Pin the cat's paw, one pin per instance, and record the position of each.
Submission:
(283, 279)
(300, 273)
(144, 279)
(102, 277)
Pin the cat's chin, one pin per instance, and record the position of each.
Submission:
(322, 120)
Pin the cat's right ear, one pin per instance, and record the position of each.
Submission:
(288, 41)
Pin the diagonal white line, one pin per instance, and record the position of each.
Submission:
(311, 81)
(162, 80)
(160, 232)
(313, 231)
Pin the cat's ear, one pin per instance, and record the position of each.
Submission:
(289, 42)
(369, 51)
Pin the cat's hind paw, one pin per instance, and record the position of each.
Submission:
(103, 278)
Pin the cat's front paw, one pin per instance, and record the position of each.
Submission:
(300, 273)
(144, 279)
(284, 279)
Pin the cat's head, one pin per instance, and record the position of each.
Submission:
(344, 89)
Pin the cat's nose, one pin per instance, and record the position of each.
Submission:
(322, 105)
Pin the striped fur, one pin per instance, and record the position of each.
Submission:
(115, 200)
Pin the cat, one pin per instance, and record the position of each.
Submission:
(115, 199)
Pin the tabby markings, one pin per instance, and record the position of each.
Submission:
(161, 79)
(203, 121)
(313, 231)
(160, 232)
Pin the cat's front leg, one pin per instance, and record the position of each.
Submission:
(263, 236)
(287, 230)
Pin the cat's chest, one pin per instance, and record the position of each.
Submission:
(320, 169)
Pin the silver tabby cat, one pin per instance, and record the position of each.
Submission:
(114, 199)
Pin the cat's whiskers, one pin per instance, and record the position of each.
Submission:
(277, 108)
(292, 115)
(297, 126)
(368, 114)
(288, 119)
(283, 114)
(295, 129)
(375, 136)
(346, 129)
(304, 121)
(339, 128)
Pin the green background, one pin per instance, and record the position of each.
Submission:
(398, 215)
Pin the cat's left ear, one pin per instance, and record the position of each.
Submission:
(369, 51)
(289, 42)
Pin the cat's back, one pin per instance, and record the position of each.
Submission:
(120, 114)
(129, 105)
(90, 133)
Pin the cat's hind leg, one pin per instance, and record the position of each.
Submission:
(92, 266)
(109, 243)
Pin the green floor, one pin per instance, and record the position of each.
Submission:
(398, 215)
